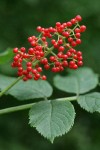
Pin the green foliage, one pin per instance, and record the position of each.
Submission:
(90, 102)
(31, 89)
(52, 118)
(26, 90)
(13, 32)
(79, 81)
(6, 56)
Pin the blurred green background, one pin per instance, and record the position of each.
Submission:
(18, 20)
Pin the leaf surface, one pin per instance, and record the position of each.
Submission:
(26, 90)
(52, 118)
(90, 102)
(6, 56)
(78, 81)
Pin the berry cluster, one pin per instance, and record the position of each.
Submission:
(63, 38)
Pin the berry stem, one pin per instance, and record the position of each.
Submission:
(48, 52)
(53, 54)
(28, 106)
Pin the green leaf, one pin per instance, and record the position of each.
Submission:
(77, 81)
(31, 89)
(6, 56)
(90, 102)
(26, 90)
(52, 118)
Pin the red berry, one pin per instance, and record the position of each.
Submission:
(80, 58)
(75, 66)
(16, 58)
(69, 24)
(71, 50)
(66, 34)
(61, 48)
(73, 43)
(15, 50)
(65, 56)
(29, 64)
(65, 63)
(52, 58)
(70, 39)
(39, 28)
(29, 69)
(30, 39)
(60, 41)
(61, 68)
(71, 63)
(73, 21)
(25, 78)
(25, 55)
(56, 45)
(19, 73)
(54, 69)
(82, 28)
(43, 77)
(47, 66)
(19, 64)
(43, 38)
(60, 55)
(53, 41)
(20, 69)
(77, 30)
(58, 24)
(57, 69)
(79, 63)
(33, 43)
(44, 61)
(22, 49)
(31, 51)
(68, 54)
(75, 56)
(78, 41)
(64, 24)
(37, 75)
(35, 78)
(78, 18)
(57, 63)
(34, 71)
(29, 76)
(25, 72)
(77, 35)
(39, 69)
(79, 53)
(51, 29)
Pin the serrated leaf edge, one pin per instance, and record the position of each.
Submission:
(52, 140)
(84, 107)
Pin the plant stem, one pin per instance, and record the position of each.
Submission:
(73, 98)
(28, 106)
(10, 86)
(16, 108)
